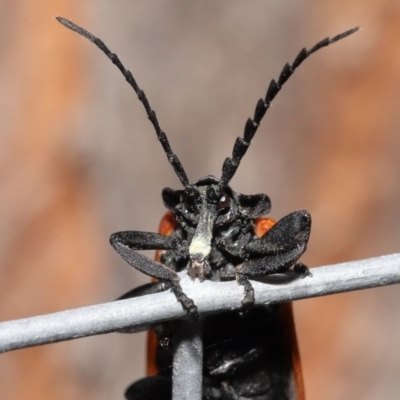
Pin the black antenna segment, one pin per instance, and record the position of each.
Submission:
(242, 144)
(162, 137)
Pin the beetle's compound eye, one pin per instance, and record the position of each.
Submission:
(224, 202)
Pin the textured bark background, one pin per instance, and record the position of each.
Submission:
(79, 160)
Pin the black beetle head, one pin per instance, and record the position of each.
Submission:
(207, 193)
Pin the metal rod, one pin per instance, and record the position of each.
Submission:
(139, 313)
(187, 370)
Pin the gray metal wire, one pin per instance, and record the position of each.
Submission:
(140, 313)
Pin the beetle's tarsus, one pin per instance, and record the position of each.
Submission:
(303, 270)
(187, 303)
(248, 299)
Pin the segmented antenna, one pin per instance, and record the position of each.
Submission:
(162, 137)
(242, 144)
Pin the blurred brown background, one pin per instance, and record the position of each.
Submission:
(79, 160)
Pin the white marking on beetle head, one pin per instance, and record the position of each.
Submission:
(199, 247)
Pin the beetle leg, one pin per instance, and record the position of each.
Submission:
(303, 270)
(150, 388)
(248, 299)
(187, 303)
(265, 266)
(278, 250)
(137, 240)
(126, 244)
(148, 288)
(288, 233)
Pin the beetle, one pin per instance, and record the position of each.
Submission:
(218, 234)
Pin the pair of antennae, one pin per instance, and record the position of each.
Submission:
(241, 145)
